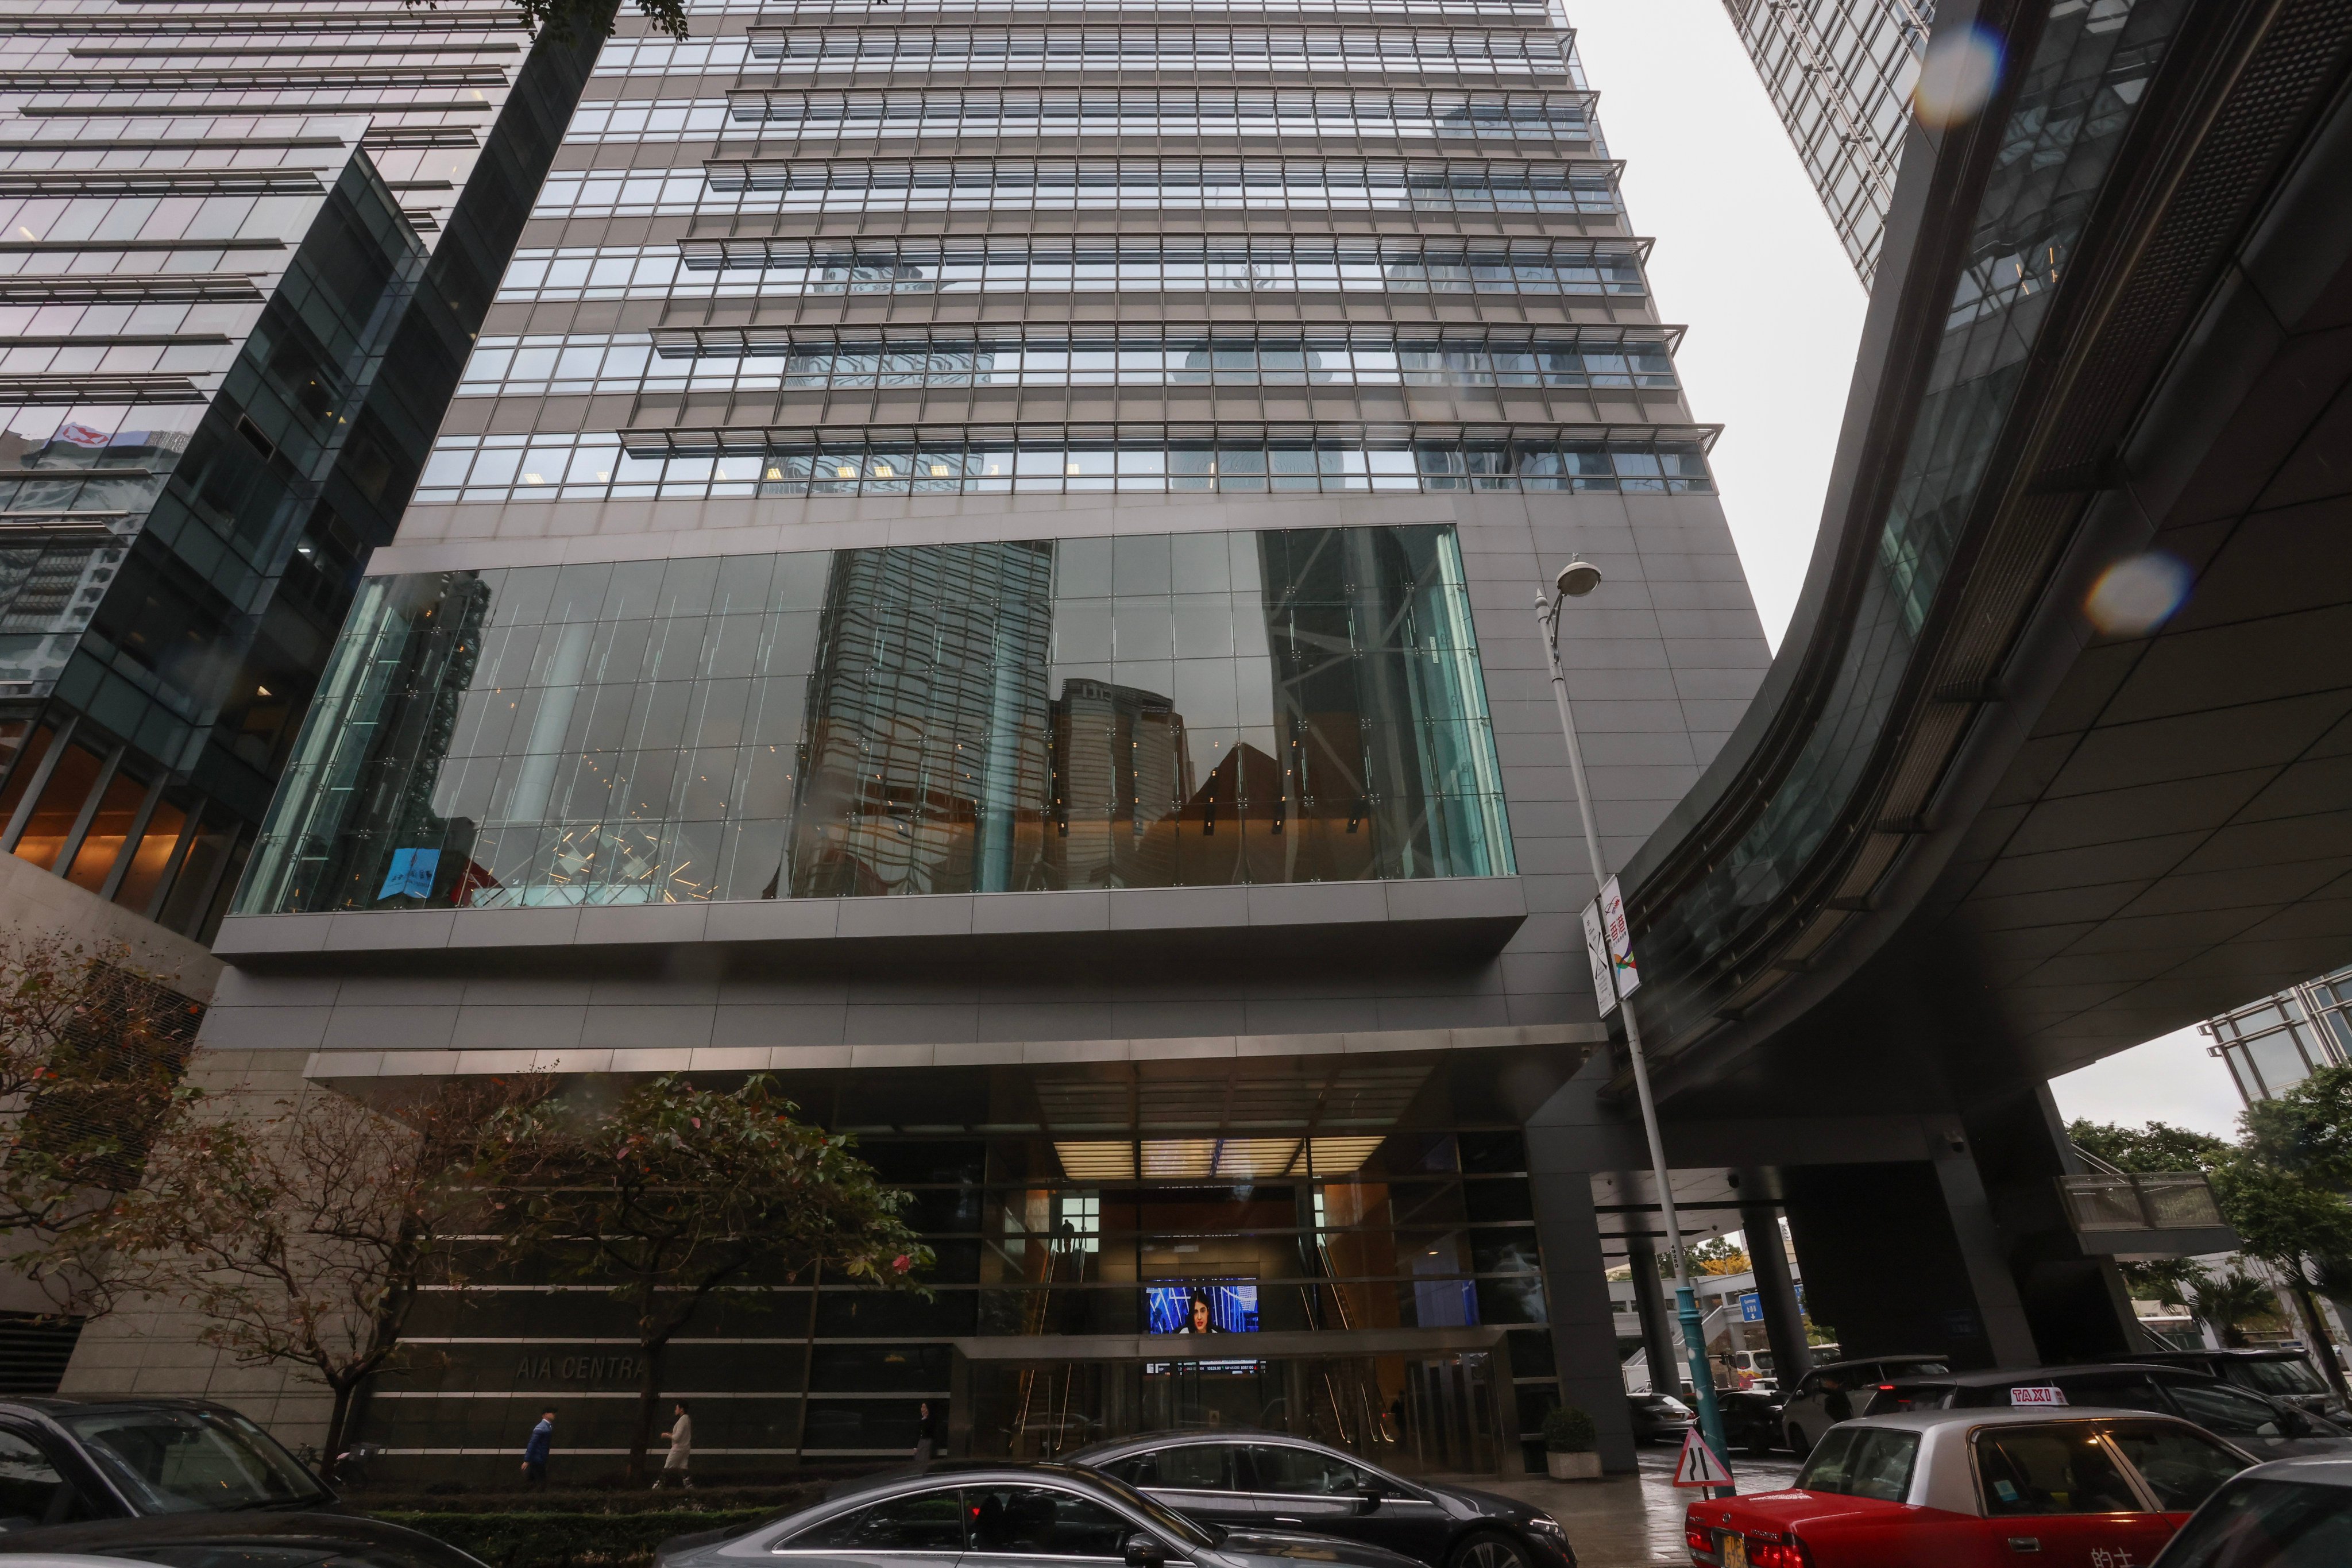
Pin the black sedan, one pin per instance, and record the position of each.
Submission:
(1006, 1516)
(1751, 1420)
(256, 1540)
(1659, 1417)
(1254, 1480)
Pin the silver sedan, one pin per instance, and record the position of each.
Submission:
(1007, 1516)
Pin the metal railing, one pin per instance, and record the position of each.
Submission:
(2170, 1200)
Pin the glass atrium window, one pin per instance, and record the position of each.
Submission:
(1155, 710)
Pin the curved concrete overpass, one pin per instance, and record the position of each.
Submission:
(1968, 836)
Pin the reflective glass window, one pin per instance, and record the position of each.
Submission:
(1145, 712)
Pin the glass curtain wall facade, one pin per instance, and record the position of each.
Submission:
(2272, 1044)
(1149, 711)
(1841, 74)
(1378, 1212)
(245, 249)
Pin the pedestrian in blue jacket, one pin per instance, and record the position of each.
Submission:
(534, 1453)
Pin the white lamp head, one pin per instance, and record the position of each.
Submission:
(1579, 578)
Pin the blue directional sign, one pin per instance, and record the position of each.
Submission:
(1751, 1308)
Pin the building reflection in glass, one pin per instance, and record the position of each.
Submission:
(1154, 710)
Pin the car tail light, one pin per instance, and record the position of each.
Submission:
(1777, 1552)
(1697, 1538)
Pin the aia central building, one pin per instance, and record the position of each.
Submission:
(983, 565)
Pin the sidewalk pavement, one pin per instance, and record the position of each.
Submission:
(1624, 1521)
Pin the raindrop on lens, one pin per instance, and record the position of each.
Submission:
(2137, 593)
(1956, 76)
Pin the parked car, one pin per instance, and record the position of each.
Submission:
(1751, 1420)
(2060, 1489)
(64, 1460)
(2263, 1427)
(1838, 1390)
(1659, 1417)
(256, 1540)
(2275, 1372)
(2290, 1513)
(1039, 1513)
(1242, 1481)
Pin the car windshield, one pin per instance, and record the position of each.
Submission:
(1166, 1520)
(1668, 1404)
(186, 1461)
(2267, 1524)
(1862, 1461)
(2291, 1378)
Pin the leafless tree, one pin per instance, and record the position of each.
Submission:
(306, 1238)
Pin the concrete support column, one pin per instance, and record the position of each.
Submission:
(1657, 1322)
(1776, 1290)
(2007, 1328)
(1576, 1293)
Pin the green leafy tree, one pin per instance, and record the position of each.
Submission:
(2152, 1147)
(2283, 1189)
(674, 1193)
(2227, 1303)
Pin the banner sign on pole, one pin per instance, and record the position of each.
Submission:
(1698, 1466)
(1621, 939)
(1596, 949)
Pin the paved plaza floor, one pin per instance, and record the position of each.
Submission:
(1627, 1521)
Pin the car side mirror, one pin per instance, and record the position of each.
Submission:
(1368, 1498)
(1143, 1551)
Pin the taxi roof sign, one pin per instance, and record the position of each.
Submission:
(2043, 1395)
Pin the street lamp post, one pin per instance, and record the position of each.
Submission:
(1576, 580)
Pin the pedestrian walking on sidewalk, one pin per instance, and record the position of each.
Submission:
(930, 1427)
(682, 1449)
(534, 1452)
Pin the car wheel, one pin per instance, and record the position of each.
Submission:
(1489, 1548)
(1799, 1444)
(1759, 1444)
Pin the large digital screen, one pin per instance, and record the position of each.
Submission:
(1204, 1307)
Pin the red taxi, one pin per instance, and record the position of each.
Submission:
(2029, 1487)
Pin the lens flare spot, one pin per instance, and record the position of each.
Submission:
(2137, 593)
(1957, 77)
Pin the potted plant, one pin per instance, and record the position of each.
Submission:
(1569, 1442)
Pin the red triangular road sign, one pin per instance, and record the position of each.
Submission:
(1698, 1466)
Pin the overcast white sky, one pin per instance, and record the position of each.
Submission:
(1746, 261)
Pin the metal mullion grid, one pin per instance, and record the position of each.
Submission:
(1291, 12)
(1381, 62)
(932, 336)
(1448, 164)
(679, 441)
(1280, 97)
(1278, 240)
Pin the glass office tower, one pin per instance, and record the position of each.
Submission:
(2272, 1045)
(1840, 72)
(980, 565)
(244, 249)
